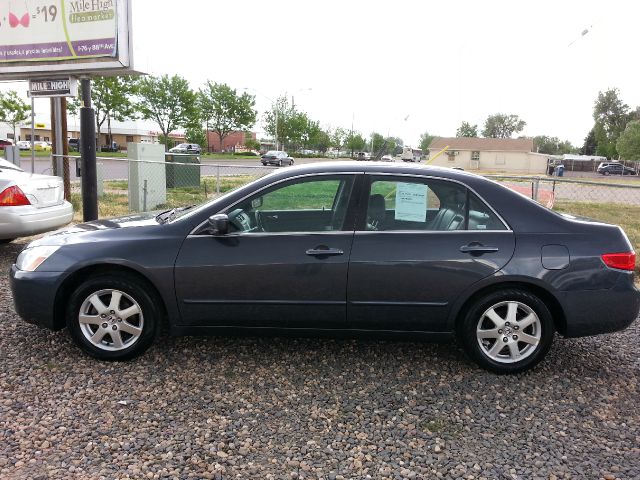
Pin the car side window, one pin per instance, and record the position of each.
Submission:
(481, 217)
(303, 205)
(407, 203)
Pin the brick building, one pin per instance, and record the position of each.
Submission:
(231, 141)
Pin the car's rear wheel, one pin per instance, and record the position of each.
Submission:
(507, 331)
(279, 163)
(112, 317)
(291, 162)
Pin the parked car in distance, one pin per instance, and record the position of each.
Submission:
(30, 203)
(387, 158)
(363, 156)
(5, 143)
(401, 250)
(114, 147)
(42, 146)
(615, 169)
(193, 148)
(74, 144)
(24, 145)
(276, 157)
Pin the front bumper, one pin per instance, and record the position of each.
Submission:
(34, 295)
(592, 312)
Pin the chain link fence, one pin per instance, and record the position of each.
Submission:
(130, 186)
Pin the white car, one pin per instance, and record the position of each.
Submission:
(30, 203)
(24, 145)
(387, 158)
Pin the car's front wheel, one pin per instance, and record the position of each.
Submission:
(507, 331)
(112, 317)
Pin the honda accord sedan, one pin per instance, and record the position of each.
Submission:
(346, 248)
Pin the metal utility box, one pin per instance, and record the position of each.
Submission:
(147, 176)
(12, 154)
(183, 175)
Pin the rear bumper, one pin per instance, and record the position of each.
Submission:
(28, 220)
(34, 296)
(591, 312)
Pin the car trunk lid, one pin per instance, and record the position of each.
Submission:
(42, 190)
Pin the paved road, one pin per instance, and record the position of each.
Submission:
(117, 169)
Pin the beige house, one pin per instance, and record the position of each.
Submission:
(505, 155)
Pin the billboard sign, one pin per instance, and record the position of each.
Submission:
(63, 36)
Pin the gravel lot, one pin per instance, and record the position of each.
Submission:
(308, 408)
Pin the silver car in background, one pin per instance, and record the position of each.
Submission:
(30, 203)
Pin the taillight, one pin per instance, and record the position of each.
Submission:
(13, 197)
(621, 261)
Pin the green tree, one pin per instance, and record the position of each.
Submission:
(355, 142)
(111, 99)
(338, 138)
(169, 101)
(590, 143)
(226, 111)
(628, 144)
(611, 116)
(467, 130)
(502, 125)
(425, 141)
(552, 145)
(377, 144)
(319, 140)
(250, 142)
(195, 134)
(13, 110)
(276, 120)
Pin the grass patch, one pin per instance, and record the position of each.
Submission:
(27, 153)
(115, 201)
(627, 216)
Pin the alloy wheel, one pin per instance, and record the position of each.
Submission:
(111, 320)
(509, 332)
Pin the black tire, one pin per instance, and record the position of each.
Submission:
(291, 162)
(469, 338)
(280, 163)
(605, 173)
(6, 240)
(150, 317)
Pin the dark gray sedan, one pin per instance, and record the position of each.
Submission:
(350, 248)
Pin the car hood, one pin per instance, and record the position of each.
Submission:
(98, 230)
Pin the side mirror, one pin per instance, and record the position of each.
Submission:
(219, 224)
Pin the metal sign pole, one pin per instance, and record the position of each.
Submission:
(33, 145)
(57, 111)
(88, 154)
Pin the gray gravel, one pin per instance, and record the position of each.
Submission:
(307, 408)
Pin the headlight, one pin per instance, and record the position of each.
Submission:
(31, 258)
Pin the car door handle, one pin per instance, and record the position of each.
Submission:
(323, 251)
(475, 248)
